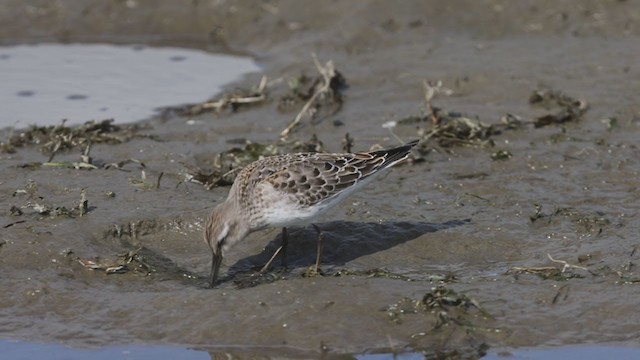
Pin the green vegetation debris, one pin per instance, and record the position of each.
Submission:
(610, 122)
(501, 155)
(447, 306)
(565, 108)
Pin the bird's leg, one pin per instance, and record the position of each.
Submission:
(320, 238)
(282, 248)
(266, 266)
(283, 245)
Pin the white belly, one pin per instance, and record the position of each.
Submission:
(283, 212)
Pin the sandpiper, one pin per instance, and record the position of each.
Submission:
(284, 190)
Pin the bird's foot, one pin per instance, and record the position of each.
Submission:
(313, 271)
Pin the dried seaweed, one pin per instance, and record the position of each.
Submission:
(550, 272)
(347, 143)
(15, 211)
(320, 96)
(231, 101)
(321, 93)
(313, 145)
(544, 272)
(459, 353)
(501, 155)
(584, 223)
(442, 297)
(120, 164)
(42, 208)
(133, 229)
(566, 108)
(228, 164)
(53, 139)
(371, 273)
(447, 305)
(610, 122)
(264, 277)
(453, 129)
(449, 128)
(142, 183)
(85, 163)
(132, 260)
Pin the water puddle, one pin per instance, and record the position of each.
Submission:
(43, 84)
(18, 350)
(577, 352)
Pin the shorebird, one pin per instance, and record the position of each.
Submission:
(284, 190)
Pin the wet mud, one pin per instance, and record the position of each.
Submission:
(513, 225)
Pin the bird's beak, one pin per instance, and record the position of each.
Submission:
(216, 261)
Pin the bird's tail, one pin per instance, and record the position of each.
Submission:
(394, 155)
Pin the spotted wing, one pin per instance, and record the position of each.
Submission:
(314, 178)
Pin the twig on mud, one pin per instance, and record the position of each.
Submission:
(120, 165)
(86, 157)
(430, 90)
(238, 99)
(566, 265)
(561, 294)
(347, 143)
(532, 269)
(390, 125)
(549, 272)
(159, 178)
(83, 206)
(55, 149)
(208, 179)
(328, 72)
(232, 100)
(58, 143)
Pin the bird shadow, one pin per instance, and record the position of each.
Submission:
(343, 241)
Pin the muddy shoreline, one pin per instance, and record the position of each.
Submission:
(532, 232)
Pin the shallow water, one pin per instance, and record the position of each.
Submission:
(43, 84)
(458, 219)
(17, 350)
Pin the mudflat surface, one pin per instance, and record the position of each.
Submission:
(536, 249)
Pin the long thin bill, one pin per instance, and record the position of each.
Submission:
(216, 261)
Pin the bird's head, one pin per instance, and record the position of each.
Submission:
(223, 228)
